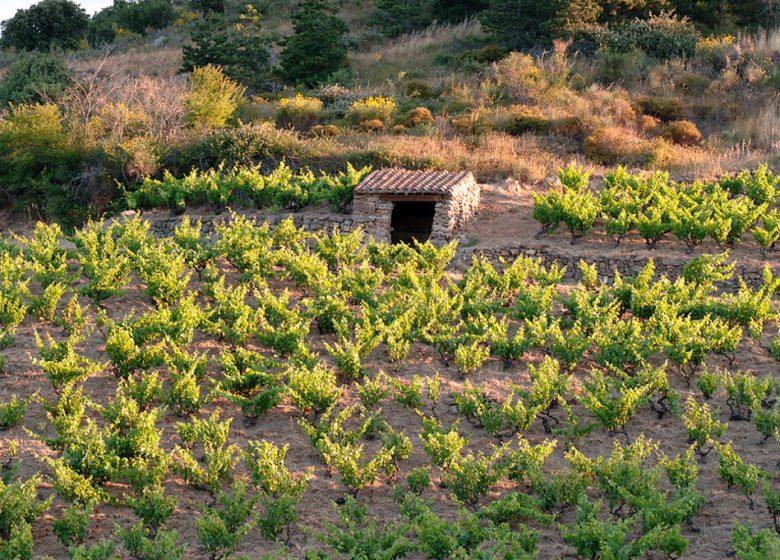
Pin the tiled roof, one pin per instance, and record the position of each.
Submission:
(404, 181)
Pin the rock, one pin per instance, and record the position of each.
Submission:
(160, 41)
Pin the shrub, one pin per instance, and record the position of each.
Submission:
(136, 17)
(612, 145)
(324, 131)
(381, 109)
(32, 78)
(522, 119)
(298, 112)
(664, 108)
(372, 125)
(662, 36)
(213, 99)
(37, 159)
(314, 52)
(416, 88)
(620, 68)
(242, 146)
(419, 116)
(682, 132)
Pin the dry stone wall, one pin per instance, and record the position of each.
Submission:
(626, 264)
(163, 225)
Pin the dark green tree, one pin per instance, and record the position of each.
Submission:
(314, 51)
(32, 78)
(455, 11)
(240, 51)
(396, 17)
(520, 23)
(47, 25)
(617, 10)
(207, 6)
(138, 16)
(575, 15)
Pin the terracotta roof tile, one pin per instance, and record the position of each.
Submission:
(404, 181)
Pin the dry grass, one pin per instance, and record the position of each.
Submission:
(162, 63)
(761, 127)
(412, 53)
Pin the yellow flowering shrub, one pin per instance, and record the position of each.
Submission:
(298, 112)
(372, 108)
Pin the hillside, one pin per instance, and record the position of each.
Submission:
(209, 352)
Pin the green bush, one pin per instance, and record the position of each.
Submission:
(299, 112)
(242, 146)
(682, 132)
(213, 99)
(664, 108)
(38, 163)
(32, 78)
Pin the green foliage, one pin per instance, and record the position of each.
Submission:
(239, 50)
(37, 159)
(138, 16)
(221, 528)
(71, 527)
(736, 472)
(19, 508)
(12, 412)
(282, 188)
(702, 425)
(104, 262)
(219, 458)
(152, 506)
(143, 545)
(47, 25)
(213, 97)
(312, 389)
(314, 52)
(62, 364)
(33, 76)
(280, 490)
(754, 545)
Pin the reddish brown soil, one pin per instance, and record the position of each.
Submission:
(505, 220)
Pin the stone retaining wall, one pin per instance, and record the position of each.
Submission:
(626, 264)
(163, 226)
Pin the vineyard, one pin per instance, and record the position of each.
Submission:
(653, 207)
(274, 393)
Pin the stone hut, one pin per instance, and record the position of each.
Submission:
(398, 205)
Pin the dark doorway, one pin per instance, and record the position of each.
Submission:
(412, 220)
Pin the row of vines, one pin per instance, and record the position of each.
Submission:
(229, 335)
(653, 207)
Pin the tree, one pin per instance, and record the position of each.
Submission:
(396, 17)
(137, 16)
(240, 51)
(32, 77)
(206, 6)
(520, 23)
(314, 52)
(46, 25)
(455, 11)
